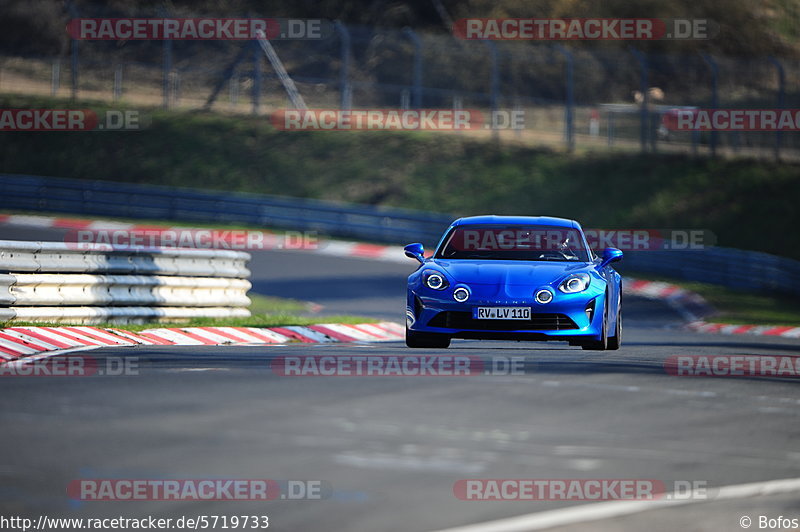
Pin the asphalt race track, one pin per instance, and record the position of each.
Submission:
(392, 448)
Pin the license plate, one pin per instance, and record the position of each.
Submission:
(501, 313)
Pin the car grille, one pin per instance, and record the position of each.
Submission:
(538, 322)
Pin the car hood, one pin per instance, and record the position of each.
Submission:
(509, 272)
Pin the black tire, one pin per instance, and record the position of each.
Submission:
(416, 339)
(602, 344)
(615, 341)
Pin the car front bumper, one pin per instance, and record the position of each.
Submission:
(568, 317)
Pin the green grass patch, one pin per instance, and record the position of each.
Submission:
(267, 311)
(256, 320)
(264, 320)
(276, 305)
(738, 307)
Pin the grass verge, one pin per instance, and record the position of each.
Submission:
(736, 307)
(267, 312)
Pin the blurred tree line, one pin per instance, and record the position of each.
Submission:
(747, 27)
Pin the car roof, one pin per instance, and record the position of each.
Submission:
(522, 220)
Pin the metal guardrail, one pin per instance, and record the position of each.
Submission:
(59, 257)
(738, 269)
(50, 281)
(104, 198)
(43, 289)
(733, 268)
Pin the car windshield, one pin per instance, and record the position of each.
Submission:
(514, 242)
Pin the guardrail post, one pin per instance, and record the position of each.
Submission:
(257, 76)
(405, 100)
(118, 82)
(73, 12)
(494, 82)
(643, 86)
(781, 102)
(233, 89)
(176, 87)
(166, 69)
(518, 109)
(417, 74)
(653, 132)
(345, 92)
(55, 81)
(74, 66)
(458, 104)
(569, 109)
(712, 65)
(494, 87)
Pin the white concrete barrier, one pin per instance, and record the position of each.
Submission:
(58, 257)
(52, 281)
(51, 289)
(88, 315)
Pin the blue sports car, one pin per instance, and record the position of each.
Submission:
(514, 278)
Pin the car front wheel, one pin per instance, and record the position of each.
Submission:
(615, 341)
(602, 344)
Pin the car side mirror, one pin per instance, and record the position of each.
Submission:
(415, 251)
(610, 255)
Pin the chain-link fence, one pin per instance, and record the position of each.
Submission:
(596, 98)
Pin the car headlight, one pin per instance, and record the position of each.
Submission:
(460, 294)
(435, 280)
(544, 296)
(577, 282)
